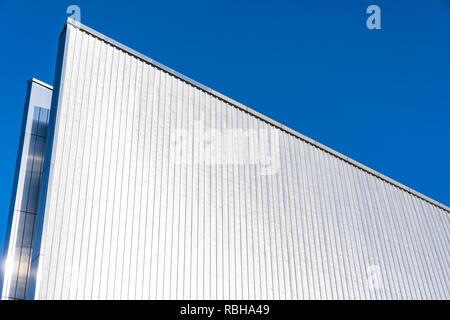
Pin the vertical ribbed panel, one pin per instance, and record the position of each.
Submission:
(125, 221)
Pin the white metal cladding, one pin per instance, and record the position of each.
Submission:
(25, 191)
(124, 221)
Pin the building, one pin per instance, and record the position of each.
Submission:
(154, 186)
(25, 191)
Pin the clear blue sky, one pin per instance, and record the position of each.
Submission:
(381, 97)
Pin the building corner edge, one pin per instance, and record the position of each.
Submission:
(35, 273)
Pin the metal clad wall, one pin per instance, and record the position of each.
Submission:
(125, 221)
(25, 191)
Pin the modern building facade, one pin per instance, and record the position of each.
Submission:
(25, 191)
(154, 186)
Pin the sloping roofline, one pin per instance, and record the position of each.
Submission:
(274, 123)
(39, 82)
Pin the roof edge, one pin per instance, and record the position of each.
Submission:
(272, 122)
(41, 83)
